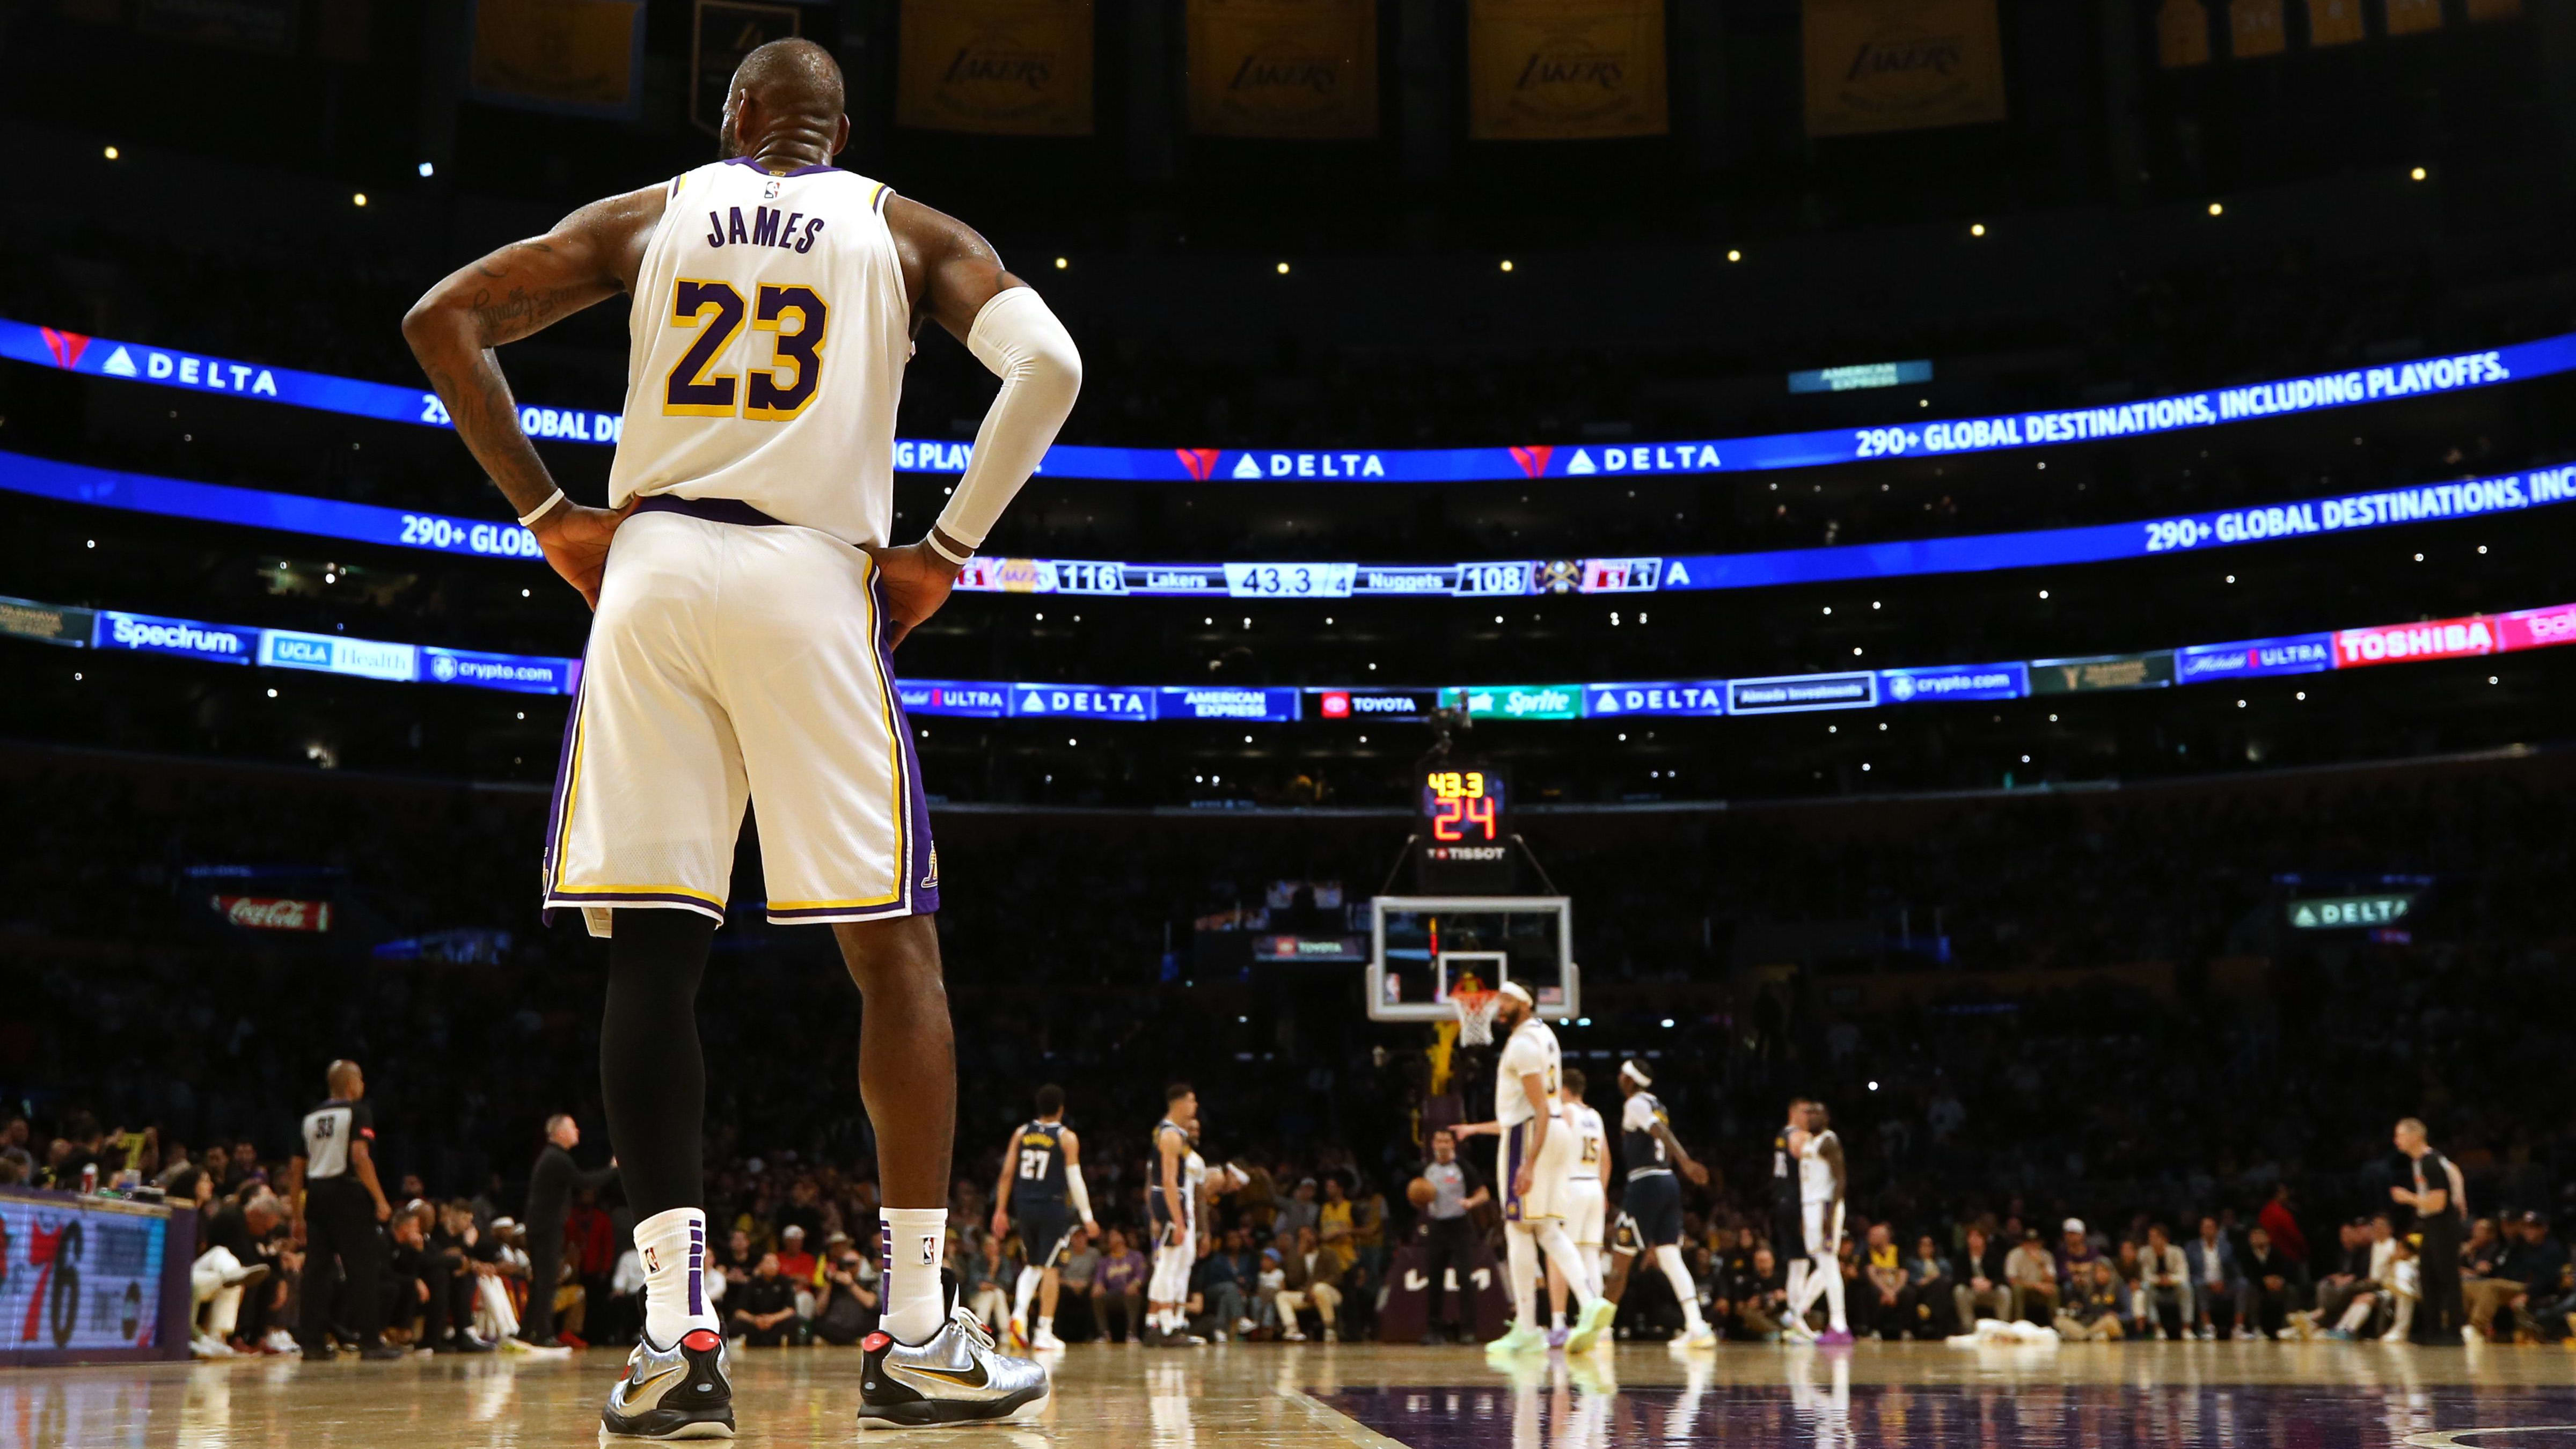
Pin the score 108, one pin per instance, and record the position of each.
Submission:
(1463, 805)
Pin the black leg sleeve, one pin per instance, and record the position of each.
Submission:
(652, 1076)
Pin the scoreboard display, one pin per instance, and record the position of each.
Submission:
(1465, 833)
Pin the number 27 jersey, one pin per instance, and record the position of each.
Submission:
(769, 331)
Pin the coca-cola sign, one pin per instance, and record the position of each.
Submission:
(265, 913)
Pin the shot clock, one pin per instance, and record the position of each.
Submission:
(1464, 834)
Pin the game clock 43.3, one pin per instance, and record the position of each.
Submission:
(1463, 806)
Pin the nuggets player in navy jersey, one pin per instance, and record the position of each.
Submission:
(1042, 1187)
(748, 592)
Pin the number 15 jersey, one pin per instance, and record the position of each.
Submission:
(769, 331)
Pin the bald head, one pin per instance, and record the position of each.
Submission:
(347, 1082)
(784, 106)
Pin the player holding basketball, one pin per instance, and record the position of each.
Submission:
(1177, 1177)
(747, 591)
(1823, 1182)
(1532, 1160)
(1651, 1212)
(1585, 1206)
(1042, 1179)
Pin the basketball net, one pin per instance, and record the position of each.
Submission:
(1476, 1015)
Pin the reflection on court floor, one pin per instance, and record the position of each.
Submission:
(1369, 1396)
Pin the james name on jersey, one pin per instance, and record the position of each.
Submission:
(767, 229)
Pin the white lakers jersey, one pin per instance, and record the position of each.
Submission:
(769, 333)
(1595, 1142)
(1531, 1049)
(1815, 1174)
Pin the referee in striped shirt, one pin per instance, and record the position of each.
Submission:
(337, 1206)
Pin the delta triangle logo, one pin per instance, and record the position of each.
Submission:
(1605, 703)
(1033, 703)
(1244, 467)
(1199, 461)
(1581, 465)
(66, 347)
(1533, 457)
(119, 364)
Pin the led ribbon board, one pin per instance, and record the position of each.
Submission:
(2471, 637)
(1494, 578)
(198, 372)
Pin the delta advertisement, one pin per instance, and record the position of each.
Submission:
(1490, 578)
(1504, 463)
(2469, 637)
(90, 1279)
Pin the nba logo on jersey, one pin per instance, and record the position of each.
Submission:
(652, 1261)
(929, 1251)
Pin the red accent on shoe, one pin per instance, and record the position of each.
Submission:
(875, 1341)
(704, 1340)
(570, 1340)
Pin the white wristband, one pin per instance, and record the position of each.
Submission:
(529, 518)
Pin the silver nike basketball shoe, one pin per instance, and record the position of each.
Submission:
(957, 1377)
(680, 1392)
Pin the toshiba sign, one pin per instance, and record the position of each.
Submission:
(261, 913)
(2440, 639)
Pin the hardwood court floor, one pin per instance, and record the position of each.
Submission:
(1257, 1396)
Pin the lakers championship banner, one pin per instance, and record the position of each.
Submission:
(580, 57)
(2255, 28)
(1000, 67)
(2182, 33)
(2335, 22)
(1297, 69)
(2408, 17)
(1901, 65)
(1563, 70)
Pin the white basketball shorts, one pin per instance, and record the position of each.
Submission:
(1586, 1209)
(1824, 1224)
(733, 661)
(1546, 1197)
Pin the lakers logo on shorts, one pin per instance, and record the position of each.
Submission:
(930, 878)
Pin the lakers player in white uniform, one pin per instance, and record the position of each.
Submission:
(1174, 1185)
(1586, 1206)
(748, 592)
(1823, 1181)
(1532, 1160)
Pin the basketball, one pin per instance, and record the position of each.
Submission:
(1420, 1192)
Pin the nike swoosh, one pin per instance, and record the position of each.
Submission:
(627, 1392)
(979, 1379)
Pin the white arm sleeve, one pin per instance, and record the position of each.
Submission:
(1041, 372)
(1076, 1192)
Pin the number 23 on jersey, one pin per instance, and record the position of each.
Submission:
(718, 311)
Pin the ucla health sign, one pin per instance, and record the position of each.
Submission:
(333, 654)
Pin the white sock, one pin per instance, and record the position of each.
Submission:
(1556, 1319)
(1027, 1290)
(1046, 1323)
(673, 1246)
(1811, 1290)
(914, 1304)
(1558, 1244)
(1798, 1286)
(1520, 1252)
(1833, 1296)
(1669, 1258)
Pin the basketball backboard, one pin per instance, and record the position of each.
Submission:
(1423, 947)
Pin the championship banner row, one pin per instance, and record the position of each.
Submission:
(1494, 578)
(2472, 637)
(1514, 463)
